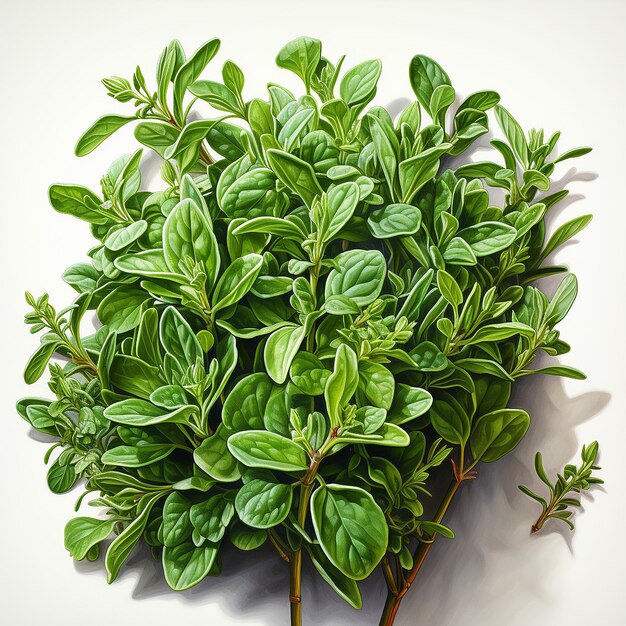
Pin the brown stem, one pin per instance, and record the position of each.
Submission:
(393, 599)
(392, 605)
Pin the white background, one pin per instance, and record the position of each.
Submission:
(557, 64)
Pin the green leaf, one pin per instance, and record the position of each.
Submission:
(342, 383)
(450, 420)
(428, 357)
(123, 544)
(157, 136)
(124, 237)
(496, 434)
(358, 86)
(280, 350)
(262, 504)
(426, 75)
(258, 448)
(62, 476)
(219, 96)
(481, 101)
(573, 154)
(38, 362)
(498, 332)
(350, 527)
(233, 77)
(562, 301)
(565, 233)
(309, 374)
(211, 517)
(295, 174)
(559, 370)
(83, 533)
(135, 412)
(137, 456)
(178, 340)
(245, 405)
(459, 252)
(272, 225)
(342, 201)
(100, 130)
(488, 237)
(246, 538)
(449, 289)
(514, 134)
(122, 308)
(301, 56)
(387, 148)
(213, 457)
(394, 220)
(134, 376)
(77, 201)
(189, 72)
(440, 101)
(250, 194)
(81, 276)
(176, 522)
(188, 234)
(185, 565)
(236, 281)
(376, 383)
(190, 138)
(416, 171)
(345, 587)
(408, 404)
(484, 366)
(359, 276)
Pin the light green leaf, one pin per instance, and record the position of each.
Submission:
(185, 565)
(83, 533)
(236, 281)
(280, 350)
(100, 130)
(359, 276)
(394, 220)
(263, 505)
(258, 448)
(496, 434)
(350, 527)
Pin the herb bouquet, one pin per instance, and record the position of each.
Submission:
(314, 312)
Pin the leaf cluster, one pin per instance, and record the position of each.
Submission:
(314, 313)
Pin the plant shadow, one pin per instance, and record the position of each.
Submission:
(493, 549)
(491, 519)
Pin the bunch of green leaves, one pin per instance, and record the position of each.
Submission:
(573, 479)
(313, 314)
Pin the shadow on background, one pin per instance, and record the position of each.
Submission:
(491, 519)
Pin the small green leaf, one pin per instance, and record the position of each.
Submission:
(100, 130)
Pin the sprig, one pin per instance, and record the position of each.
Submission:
(573, 479)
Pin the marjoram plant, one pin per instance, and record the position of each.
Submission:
(315, 311)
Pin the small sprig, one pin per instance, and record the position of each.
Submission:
(574, 479)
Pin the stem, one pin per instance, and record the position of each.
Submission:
(295, 586)
(277, 543)
(392, 603)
